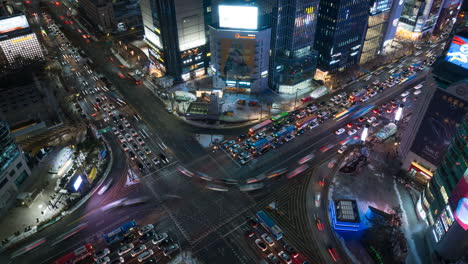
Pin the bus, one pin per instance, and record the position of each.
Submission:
(76, 255)
(261, 126)
(269, 225)
(341, 114)
(287, 130)
(357, 95)
(118, 233)
(261, 143)
(302, 123)
(279, 118)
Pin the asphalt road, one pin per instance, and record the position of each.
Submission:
(210, 223)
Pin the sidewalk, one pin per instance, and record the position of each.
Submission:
(374, 185)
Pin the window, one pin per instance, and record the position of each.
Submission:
(3, 183)
(12, 172)
(19, 165)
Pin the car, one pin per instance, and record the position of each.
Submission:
(121, 138)
(389, 110)
(103, 260)
(145, 255)
(145, 229)
(260, 244)
(349, 125)
(300, 132)
(417, 92)
(137, 250)
(163, 158)
(289, 138)
(125, 147)
(252, 223)
(371, 119)
(372, 94)
(362, 119)
(333, 254)
(121, 128)
(140, 166)
(285, 257)
(125, 249)
(170, 249)
(115, 130)
(126, 123)
(121, 117)
(241, 137)
(312, 125)
(340, 131)
(419, 86)
(273, 259)
(317, 199)
(133, 133)
(159, 238)
(228, 144)
(140, 141)
(249, 233)
(233, 147)
(342, 149)
(128, 137)
(404, 94)
(245, 160)
(318, 223)
(365, 98)
(132, 155)
(267, 239)
(260, 135)
(352, 132)
(394, 106)
(384, 105)
(147, 151)
(117, 260)
(101, 253)
(165, 243)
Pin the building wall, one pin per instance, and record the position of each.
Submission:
(13, 167)
(21, 49)
(419, 18)
(239, 57)
(100, 13)
(340, 33)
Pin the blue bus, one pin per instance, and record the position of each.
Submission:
(119, 233)
(259, 144)
(268, 224)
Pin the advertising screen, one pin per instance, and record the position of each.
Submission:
(459, 201)
(237, 58)
(239, 17)
(152, 37)
(458, 52)
(13, 23)
(438, 127)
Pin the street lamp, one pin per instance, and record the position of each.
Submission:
(399, 113)
(365, 132)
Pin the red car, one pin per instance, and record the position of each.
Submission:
(305, 99)
(349, 125)
(362, 119)
(319, 224)
(389, 110)
(333, 254)
(393, 106)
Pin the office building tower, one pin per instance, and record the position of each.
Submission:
(448, 16)
(377, 26)
(19, 45)
(13, 167)
(176, 37)
(100, 13)
(240, 49)
(418, 18)
(341, 28)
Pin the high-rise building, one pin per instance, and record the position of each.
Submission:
(341, 28)
(13, 167)
(176, 37)
(100, 13)
(19, 45)
(418, 18)
(377, 26)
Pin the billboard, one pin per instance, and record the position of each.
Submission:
(237, 58)
(77, 183)
(13, 23)
(459, 201)
(458, 52)
(438, 127)
(152, 37)
(238, 17)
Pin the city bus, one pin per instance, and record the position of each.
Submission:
(259, 127)
(269, 225)
(119, 233)
(76, 255)
(279, 118)
(302, 123)
(341, 114)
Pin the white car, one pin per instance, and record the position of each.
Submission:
(340, 131)
(371, 119)
(267, 239)
(145, 255)
(125, 249)
(317, 199)
(352, 132)
(128, 137)
(160, 238)
(342, 149)
(405, 94)
(417, 92)
(103, 260)
(145, 229)
(115, 130)
(121, 138)
(365, 98)
(374, 93)
(419, 86)
(126, 123)
(137, 250)
(285, 257)
(289, 138)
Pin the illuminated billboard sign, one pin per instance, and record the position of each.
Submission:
(438, 127)
(459, 201)
(13, 23)
(152, 37)
(77, 183)
(237, 58)
(238, 17)
(458, 52)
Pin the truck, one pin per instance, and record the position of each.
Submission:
(285, 131)
(269, 225)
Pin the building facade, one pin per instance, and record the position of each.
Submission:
(340, 33)
(175, 32)
(419, 18)
(13, 167)
(100, 13)
(18, 43)
(377, 26)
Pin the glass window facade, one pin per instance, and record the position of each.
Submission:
(8, 149)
